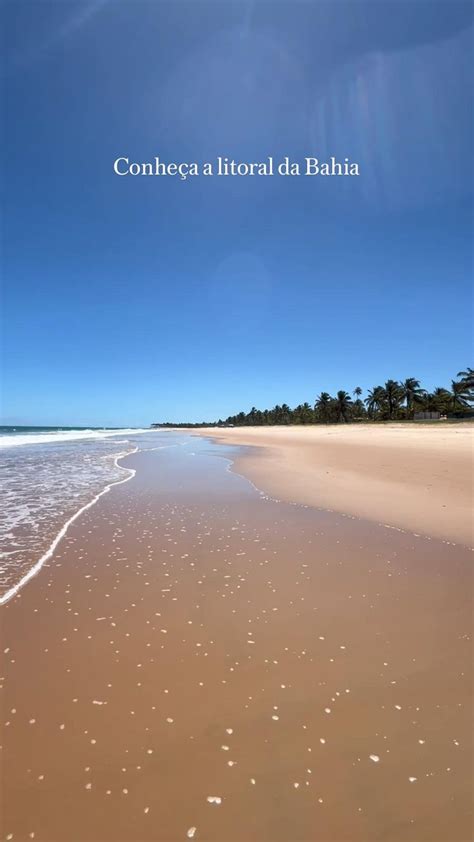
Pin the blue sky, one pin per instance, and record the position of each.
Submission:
(130, 300)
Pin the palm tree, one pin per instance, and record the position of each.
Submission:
(440, 400)
(375, 400)
(276, 414)
(285, 413)
(343, 405)
(412, 393)
(467, 377)
(460, 395)
(322, 406)
(252, 416)
(393, 393)
(358, 408)
(306, 413)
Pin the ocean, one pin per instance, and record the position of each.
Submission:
(48, 476)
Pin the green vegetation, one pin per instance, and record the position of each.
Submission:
(394, 401)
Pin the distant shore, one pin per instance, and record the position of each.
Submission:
(417, 478)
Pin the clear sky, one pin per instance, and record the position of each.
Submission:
(131, 300)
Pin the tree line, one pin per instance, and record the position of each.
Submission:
(394, 401)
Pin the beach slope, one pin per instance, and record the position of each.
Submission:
(414, 477)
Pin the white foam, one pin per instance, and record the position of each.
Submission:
(33, 571)
(66, 435)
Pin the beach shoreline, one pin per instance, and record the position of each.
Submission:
(414, 478)
(248, 669)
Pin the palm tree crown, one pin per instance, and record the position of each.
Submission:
(411, 392)
(375, 399)
(343, 405)
(460, 394)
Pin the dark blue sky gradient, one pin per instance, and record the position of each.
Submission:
(129, 300)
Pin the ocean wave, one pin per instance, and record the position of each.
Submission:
(48, 485)
(35, 568)
(56, 436)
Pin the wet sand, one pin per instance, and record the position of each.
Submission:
(412, 476)
(192, 640)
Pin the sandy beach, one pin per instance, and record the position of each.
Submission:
(199, 661)
(415, 477)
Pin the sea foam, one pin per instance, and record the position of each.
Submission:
(47, 483)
